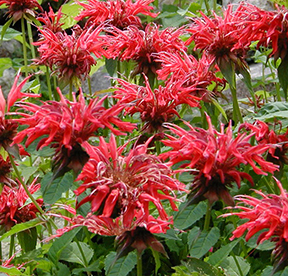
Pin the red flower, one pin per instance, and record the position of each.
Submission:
(8, 128)
(21, 8)
(276, 154)
(52, 20)
(69, 56)
(67, 125)
(12, 205)
(219, 37)
(123, 186)
(142, 45)
(118, 13)
(215, 157)
(270, 213)
(193, 76)
(155, 106)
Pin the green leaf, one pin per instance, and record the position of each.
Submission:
(183, 271)
(111, 65)
(282, 74)
(228, 70)
(60, 243)
(192, 213)
(218, 256)
(52, 189)
(231, 267)
(272, 110)
(5, 30)
(121, 266)
(21, 227)
(169, 235)
(156, 259)
(96, 266)
(5, 63)
(11, 271)
(73, 254)
(70, 10)
(63, 270)
(28, 239)
(196, 265)
(203, 242)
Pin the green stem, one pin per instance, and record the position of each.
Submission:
(70, 91)
(207, 217)
(30, 37)
(269, 188)
(203, 116)
(89, 85)
(237, 117)
(49, 84)
(18, 174)
(24, 185)
(139, 263)
(12, 244)
(24, 46)
(207, 7)
(1, 256)
(158, 147)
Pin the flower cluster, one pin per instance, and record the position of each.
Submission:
(67, 125)
(268, 213)
(216, 158)
(13, 209)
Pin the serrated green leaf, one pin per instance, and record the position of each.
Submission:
(95, 266)
(203, 242)
(21, 227)
(111, 65)
(169, 235)
(121, 266)
(63, 270)
(187, 217)
(231, 268)
(272, 110)
(183, 271)
(11, 271)
(218, 256)
(193, 234)
(60, 243)
(73, 254)
(196, 265)
(52, 189)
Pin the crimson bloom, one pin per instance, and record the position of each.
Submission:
(264, 135)
(269, 213)
(70, 56)
(8, 128)
(215, 158)
(12, 205)
(123, 186)
(118, 13)
(155, 106)
(51, 20)
(20, 8)
(67, 125)
(142, 45)
(193, 76)
(219, 37)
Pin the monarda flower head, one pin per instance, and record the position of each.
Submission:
(70, 56)
(142, 45)
(8, 127)
(122, 187)
(155, 106)
(193, 76)
(21, 8)
(118, 13)
(215, 159)
(264, 135)
(12, 205)
(51, 20)
(67, 125)
(218, 37)
(268, 213)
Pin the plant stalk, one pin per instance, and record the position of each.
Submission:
(207, 217)
(24, 46)
(139, 263)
